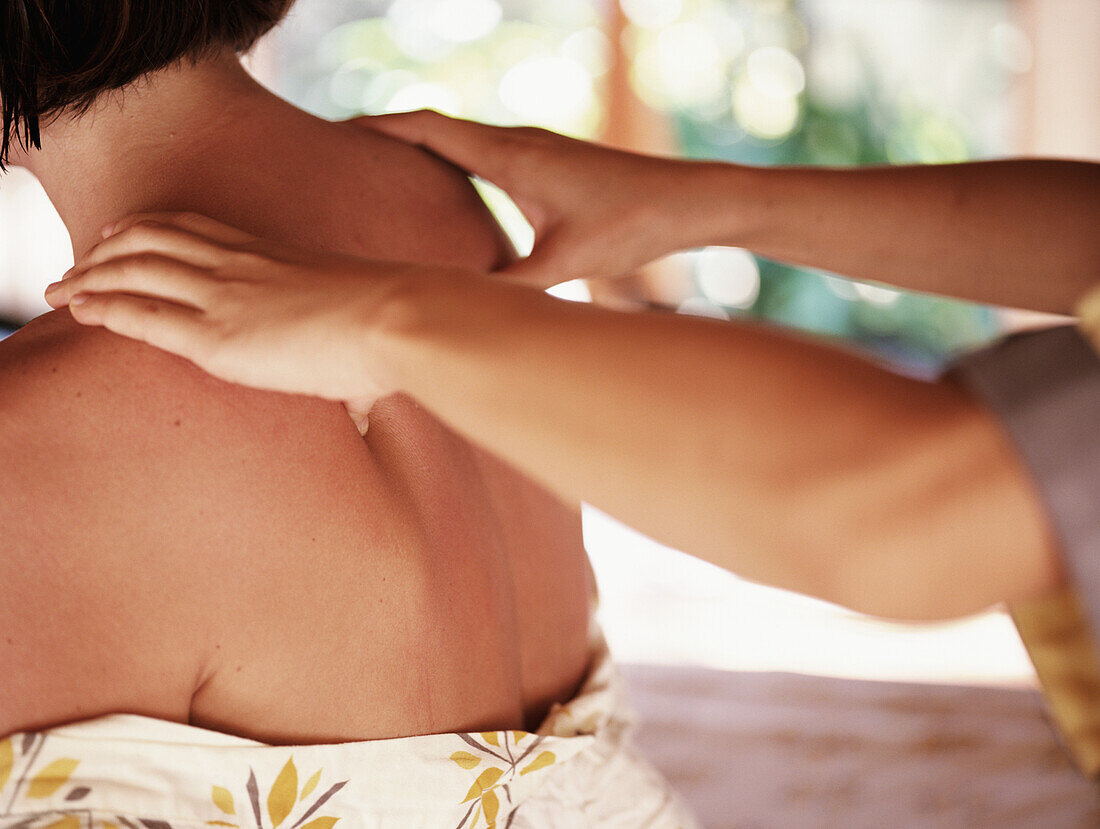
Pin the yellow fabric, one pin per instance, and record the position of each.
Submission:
(580, 770)
(1062, 649)
(1088, 313)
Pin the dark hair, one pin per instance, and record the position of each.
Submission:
(58, 55)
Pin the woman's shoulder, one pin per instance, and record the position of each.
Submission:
(86, 381)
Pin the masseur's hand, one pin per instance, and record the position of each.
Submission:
(245, 310)
(597, 212)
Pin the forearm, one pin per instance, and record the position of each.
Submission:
(786, 462)
(1018, 233)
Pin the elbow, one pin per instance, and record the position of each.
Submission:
(930, 569)
(848, 561)
(882, 585)
(886, 584)
(929, 517)
(877, 555)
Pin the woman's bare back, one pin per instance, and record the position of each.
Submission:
(186, 549)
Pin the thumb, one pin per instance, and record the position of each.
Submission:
(546, 267)
(531, 273)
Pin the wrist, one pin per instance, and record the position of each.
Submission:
(413, 315)
(394, 307)
(666, 207)
(732, 204)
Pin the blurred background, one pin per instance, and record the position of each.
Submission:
(818, 82)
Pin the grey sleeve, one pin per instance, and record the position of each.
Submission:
(1045, 388)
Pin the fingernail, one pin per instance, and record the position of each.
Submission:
(108, 229)
(78, 299)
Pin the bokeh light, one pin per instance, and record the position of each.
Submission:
(548, 91)
(876, 294)
(652, 14)
(761, 114)
(729, 277)
(776, 72)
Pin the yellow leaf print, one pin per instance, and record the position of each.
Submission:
(491, 804)
(223, 799)
(311, 784)
(491, 738)
(284, 793)
(67, 822)
(108, 825)
(7, 760)
(465, 759)
(220, 823)
(518, 736)
(321, 823)
(545, 759)
(52, 778)
(486, 781)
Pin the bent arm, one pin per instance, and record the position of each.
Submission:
(1018, 233)
(782, 460)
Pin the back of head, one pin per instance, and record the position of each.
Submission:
(58, 56)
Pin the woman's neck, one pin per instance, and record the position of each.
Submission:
(151, 146)
(210, 139)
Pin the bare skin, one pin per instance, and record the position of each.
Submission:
(186, 549)
(778, 458)
(1014, 232)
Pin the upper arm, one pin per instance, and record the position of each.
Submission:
(890, 495)
(943, 520)
(872, 490)
(957, 524)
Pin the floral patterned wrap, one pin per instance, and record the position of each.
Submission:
(130, 772)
